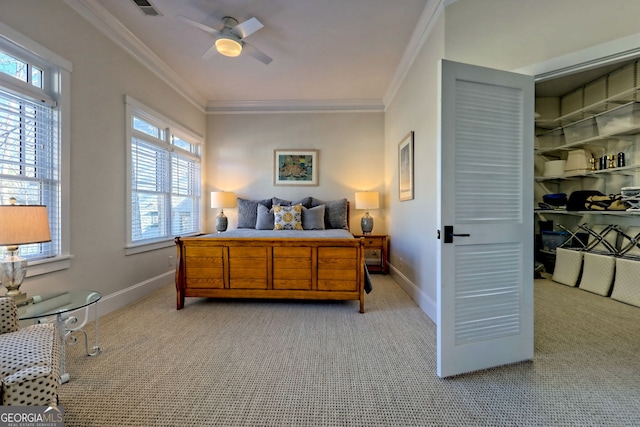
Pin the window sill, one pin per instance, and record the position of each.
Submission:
(49, 265)
(147, 247)
(133, 249)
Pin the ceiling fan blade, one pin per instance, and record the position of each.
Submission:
(256, 53)
(247, 28)
(203, 27)
(210, 53)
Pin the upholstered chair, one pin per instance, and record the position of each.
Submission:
(29, 360)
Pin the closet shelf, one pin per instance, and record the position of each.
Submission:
(595, 141)
(601, 106)
(543, 212)
(625, 170)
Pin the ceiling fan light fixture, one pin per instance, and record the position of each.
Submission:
(227, 46)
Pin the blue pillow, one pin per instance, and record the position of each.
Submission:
(248, 211)
(265, 218)
(305, 201)
(335, 213)
(313, 218)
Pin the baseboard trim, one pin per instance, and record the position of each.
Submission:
(426, 304)
(133, 293)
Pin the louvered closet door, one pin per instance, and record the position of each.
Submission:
(485, 279)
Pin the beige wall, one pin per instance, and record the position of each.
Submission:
(351, 157)
(413, 223)
(102, 74)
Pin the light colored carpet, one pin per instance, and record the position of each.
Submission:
(262, 363)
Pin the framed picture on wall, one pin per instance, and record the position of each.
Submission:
(295, 167)
(405, 167)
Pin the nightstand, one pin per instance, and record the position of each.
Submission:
(376, 252)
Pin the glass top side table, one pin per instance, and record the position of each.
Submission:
(60, 305)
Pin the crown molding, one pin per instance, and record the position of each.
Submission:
(429, 17)
(296, 106)
(100, 18)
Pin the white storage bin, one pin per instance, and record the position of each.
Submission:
(584, 129)
(619, 119)
(551, 139)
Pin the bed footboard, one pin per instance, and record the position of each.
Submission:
(313, 269)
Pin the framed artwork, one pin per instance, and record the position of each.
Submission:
(295, 167)
(405, 167)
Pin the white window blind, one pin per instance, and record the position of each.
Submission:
(29, 162)
(185, 194)
(150, 185)
(165, 179)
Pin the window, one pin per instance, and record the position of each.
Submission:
(165, 179)
(21, 70)
(33, 164)
(29, 162)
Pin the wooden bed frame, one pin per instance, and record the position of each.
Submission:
(274, 268)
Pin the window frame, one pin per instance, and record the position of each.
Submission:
(134, 108)
(56, 90)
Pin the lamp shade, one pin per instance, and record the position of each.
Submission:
(367, 200)
(228, 46)
(223, 199)
(20, 225)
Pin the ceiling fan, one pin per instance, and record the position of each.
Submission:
(230, 41)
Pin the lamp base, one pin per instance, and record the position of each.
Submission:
(366, 223)
(221, 222)
(13, 270)
(20, 298)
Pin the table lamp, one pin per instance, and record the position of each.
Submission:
(20, 225)
(222, 199)
(367, 200)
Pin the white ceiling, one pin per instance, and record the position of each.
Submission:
(347, 53)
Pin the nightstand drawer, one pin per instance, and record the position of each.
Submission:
(374, 241)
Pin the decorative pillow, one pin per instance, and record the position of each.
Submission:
(287, 217)
(265, 218)
(248, 211)
(313, 218)
(335, 213)
(306, 202)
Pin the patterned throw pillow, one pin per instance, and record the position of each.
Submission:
(287, 217)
